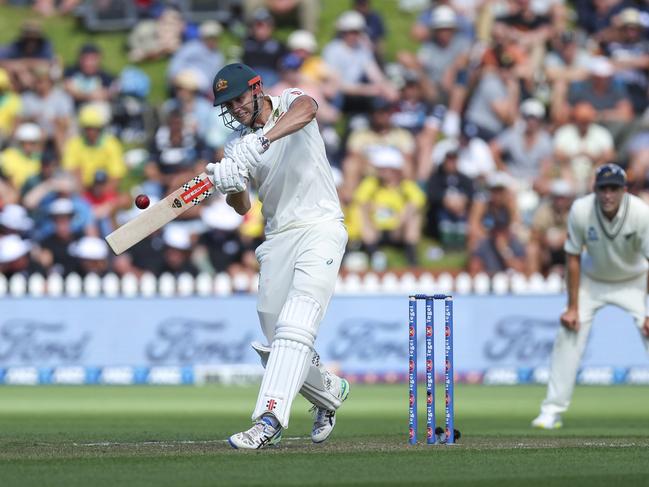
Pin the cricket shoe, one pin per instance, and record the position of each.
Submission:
(325, 419)
(547, 421)
(261, 435)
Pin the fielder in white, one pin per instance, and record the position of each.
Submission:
(277, 145)
(606, 253)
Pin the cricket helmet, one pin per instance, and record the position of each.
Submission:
(231, 82)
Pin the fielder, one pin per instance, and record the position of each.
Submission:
(277, 146)
(606, 262)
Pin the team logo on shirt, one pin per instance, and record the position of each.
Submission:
(221, 84)
(592, 234)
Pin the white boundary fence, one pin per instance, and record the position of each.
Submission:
(167, 285)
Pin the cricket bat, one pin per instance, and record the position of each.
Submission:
(190, 194)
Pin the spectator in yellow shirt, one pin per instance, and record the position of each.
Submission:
(390, 205)
(10, 107)
(94, 150)
(21, 161)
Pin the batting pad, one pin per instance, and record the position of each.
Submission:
(286, 369)
(299, 320)
(313, 389)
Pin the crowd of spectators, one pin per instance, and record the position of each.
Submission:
(478, 140)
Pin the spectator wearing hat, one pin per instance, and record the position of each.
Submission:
(23, 159)
(30, 50)
(176, 253)
(87, 81)
(300, 14)
(525, 148)
(10, 107)
(14, 220)
(187, 99)
(292, 77)
(499, 251)
(53, 251)
(629, 54)
(49, 106)
(414, 113)
(549, 230)
(49, 166)
(443, 55)
(467, 15)
(449, 194)
(134, 119)
(15, 257)
(380, 132)
(39, 199)
(350, 55)
(493, 105)
(581, 146)
(327, 114)
(596, 16)
(175, 151)
(31, 44)
(391, 205)
(530, 29)
(90, 255)
(494, 205)
(202, 55)
(374, 26)
(567, 59)
(606, 94)
(104, 201)
(94, 149)
(261, 51)
(303, 44)
(474, 156)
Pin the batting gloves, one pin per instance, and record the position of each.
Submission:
(248, 150)
(227, 176)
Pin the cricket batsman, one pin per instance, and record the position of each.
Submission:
(277, 147)
(606, 261)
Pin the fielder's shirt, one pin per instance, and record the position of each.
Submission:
(294, 179)
(611, 250)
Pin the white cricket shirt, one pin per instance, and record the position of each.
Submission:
(611, 250)
(294, 179)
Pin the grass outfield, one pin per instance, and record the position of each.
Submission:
(164, 436)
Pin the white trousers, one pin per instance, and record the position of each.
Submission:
(302, 261)
(297, 277)
(570, 345)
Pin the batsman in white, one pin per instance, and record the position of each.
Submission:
(277, 146)
(606, 253)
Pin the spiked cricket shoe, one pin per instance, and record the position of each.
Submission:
(325, 419)
(261, 435)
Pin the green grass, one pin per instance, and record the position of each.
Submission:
(159, 436)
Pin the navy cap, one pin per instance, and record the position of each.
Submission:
(290, 62)
(381, 104)
(610, 175)
(89, 48)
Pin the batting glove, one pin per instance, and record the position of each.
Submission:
(227, 176)
(248, 150)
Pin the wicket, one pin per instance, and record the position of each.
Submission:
(449, 381)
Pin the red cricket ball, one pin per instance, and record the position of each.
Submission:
(142, 201)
